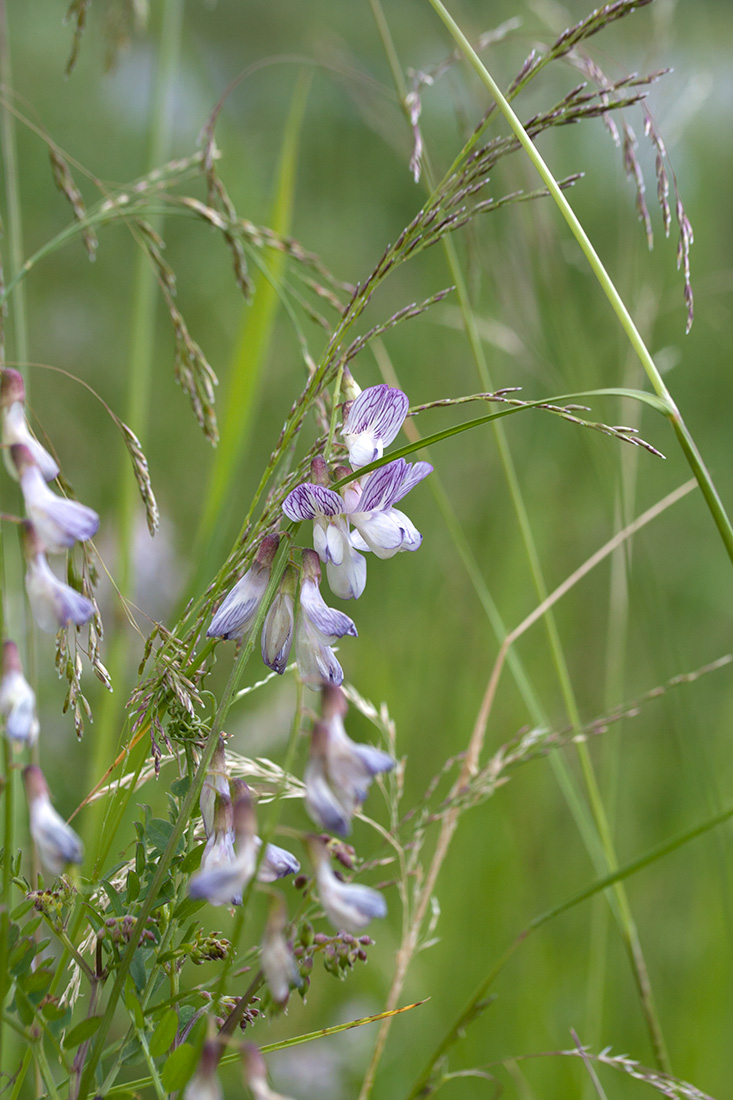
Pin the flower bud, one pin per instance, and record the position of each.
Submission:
(277, 631)
(15, 427)
(239, 609)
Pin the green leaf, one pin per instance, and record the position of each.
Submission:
(38, 981)
(82, 1032)
(133, 887)
(158, 832)
(114, 898)
(132, 1003)
(192, 859)
(179, 1068)
(164, 1033)
(22, 909)
(24, 1007)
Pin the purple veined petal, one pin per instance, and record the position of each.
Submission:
(348, 580)
(381, 488)
(374, 420)
(328, 623)
(414, 474)
(238, 610)
(307, 501)
(59, 522)
(53, 603)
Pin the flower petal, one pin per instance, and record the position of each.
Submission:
(307, 501)
(373, 421)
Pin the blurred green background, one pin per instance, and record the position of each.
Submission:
(425, 645)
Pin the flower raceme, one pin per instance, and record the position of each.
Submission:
(225, 872)
(57, 843)
(59, 522)
(368, 504)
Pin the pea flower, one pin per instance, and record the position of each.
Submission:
(223, 884)
(345, 568)
(277, 631)
(348, 905)
(380, 527)
(372, 422)
(53, 603)
(239, 609)
(276, 862)
(278, 962)
(17, 700)
(339, 771)
(15, 426)
(57, 843)
(318, 627)
(205, 1085)
(59, 522)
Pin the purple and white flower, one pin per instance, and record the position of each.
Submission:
(339, 771)
(53, 603)
(59, 522)
(57, 843)
(222, 883)
(372, 422)
(348, 905)
(277, 959)
(318, 627)
(276, 863)
(380, 527)
(216, 782)
(255, 1074)
(17, 700)
(239, 609)
(345, 568)
(277, 630)
(15, 426)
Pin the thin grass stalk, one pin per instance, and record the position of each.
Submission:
(253, 345)
(684, 437)
(139, 374)
(599, 853)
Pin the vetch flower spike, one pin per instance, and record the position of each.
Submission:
(239, 609)
(15, 426)
(348, 905)
(345, 568)
(57, 843)
(224, 885)
(59, 522)
(53, 603)
(339, 771)
(277, 959)
(380, 527)
(276, 862)
(372, 422)
(17, 700)
(277, 631)
(318, 627)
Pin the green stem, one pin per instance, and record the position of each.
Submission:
(689, 448)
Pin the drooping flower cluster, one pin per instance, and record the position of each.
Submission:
(367, 503)
(315, 628)
(231, 855)
(54, 523)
